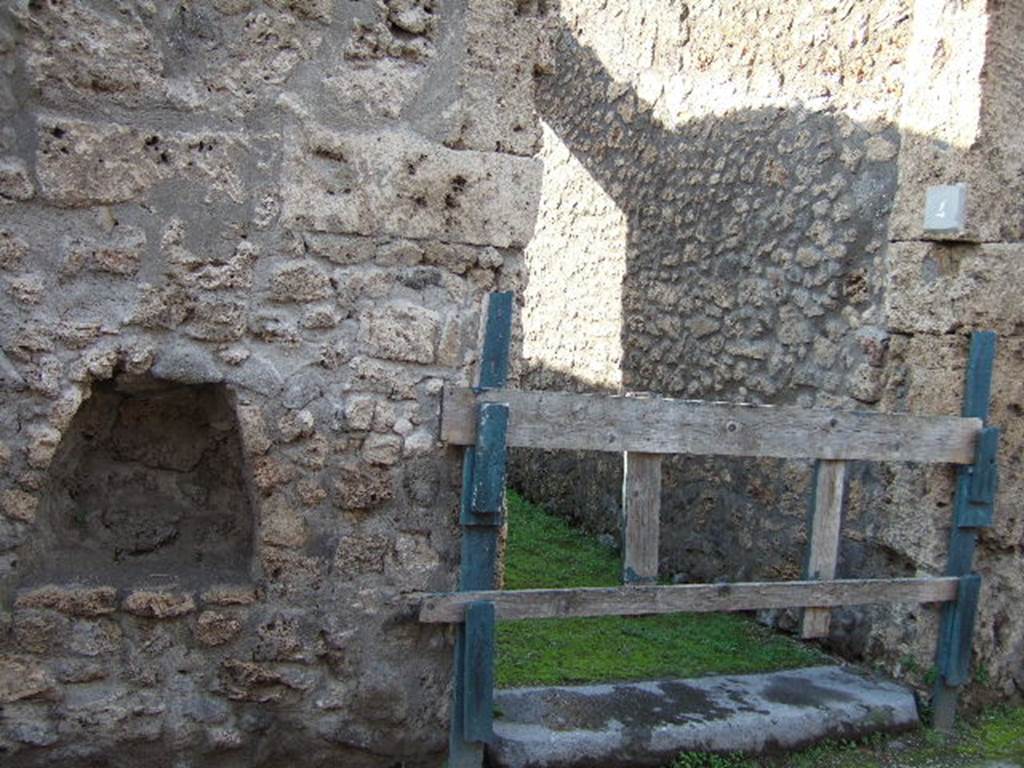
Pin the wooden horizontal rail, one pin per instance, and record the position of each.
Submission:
(559, 420)
(449, 607)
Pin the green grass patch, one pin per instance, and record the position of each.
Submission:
(999, 733)
(544, 551)
(993, 737)
(705, 760)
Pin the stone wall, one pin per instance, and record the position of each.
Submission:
(243, 245)
(737, 190)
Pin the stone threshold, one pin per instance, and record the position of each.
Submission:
(649, 723)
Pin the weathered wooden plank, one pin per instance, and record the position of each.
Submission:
(954, 657)
(641, 507)
(479, 543)
(978, 381)
(956, 663)
(561, 420)
(489, 466)
(975, 502)
(686, 598)
(497, 333)
(478, 699)
(957, 624)
(823, 544)
(476, 571)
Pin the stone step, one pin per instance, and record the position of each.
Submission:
(649, 723)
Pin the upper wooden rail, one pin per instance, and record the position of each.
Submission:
(450, 607)
(559, 420)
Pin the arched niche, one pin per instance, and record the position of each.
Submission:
(148, 485)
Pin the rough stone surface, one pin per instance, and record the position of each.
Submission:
(214, 628)
(742, 221)
(15, 183)
(22, 677)
(76, 601)
(729, 216)
(226, 594)
(393, 183)
(147, 479)
(942, 288)
(19, 505)
(639, 724)
(961, 110)
(296, 207)
(158, 605)
(243, 245)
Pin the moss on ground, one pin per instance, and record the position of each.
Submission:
(991, 738)
(999, 733)
(544, 551)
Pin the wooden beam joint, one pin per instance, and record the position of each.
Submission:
(975, 501)
(488, 492)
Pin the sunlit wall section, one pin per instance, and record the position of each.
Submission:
(576, 260)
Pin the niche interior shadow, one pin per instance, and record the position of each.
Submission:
(148, 484)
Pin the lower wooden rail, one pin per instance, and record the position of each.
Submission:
(450, 607)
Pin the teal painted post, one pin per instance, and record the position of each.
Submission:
(957, 657)
(489, 459)
(976, 486)
(478, 699)
(483, 485)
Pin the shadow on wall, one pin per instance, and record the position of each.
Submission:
(754, 271)
(751, 237)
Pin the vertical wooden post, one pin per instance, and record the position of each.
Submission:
(975, 499)
(478, 699)
(823, 538)
(483, 485)
(641, 507)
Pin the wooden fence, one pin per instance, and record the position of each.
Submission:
(488, 419)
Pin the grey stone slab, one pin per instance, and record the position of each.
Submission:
(649, 723)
